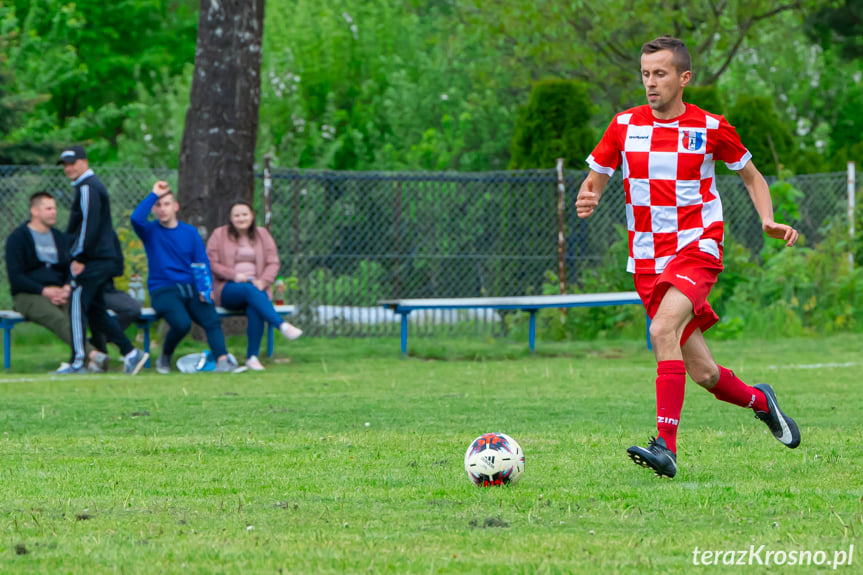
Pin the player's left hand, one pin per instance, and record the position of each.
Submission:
(780, 232)
(77, 268)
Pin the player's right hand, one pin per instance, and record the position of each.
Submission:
(587, 199)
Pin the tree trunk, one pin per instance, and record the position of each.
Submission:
(218, 151)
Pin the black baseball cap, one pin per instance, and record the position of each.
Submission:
(72, 154)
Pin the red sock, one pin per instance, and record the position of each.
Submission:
(670, 388)
(730, 389)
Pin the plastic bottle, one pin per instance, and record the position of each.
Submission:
(203, 281)
(136, 287)
(133, 286)
(279, 291)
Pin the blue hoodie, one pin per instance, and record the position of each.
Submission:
(170, 251)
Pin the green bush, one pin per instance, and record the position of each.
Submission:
(763, 132)
(705, 97)
(554, 124)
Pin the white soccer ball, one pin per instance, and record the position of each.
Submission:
(494, 459)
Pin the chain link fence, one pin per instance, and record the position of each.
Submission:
(351, 239)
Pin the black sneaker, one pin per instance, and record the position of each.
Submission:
(163, 364)
(783, 427)
(656, 456)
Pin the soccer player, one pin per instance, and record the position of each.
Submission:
(667, 151)
(93, 257)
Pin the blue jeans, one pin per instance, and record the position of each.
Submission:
(179, 305)
(259, 310)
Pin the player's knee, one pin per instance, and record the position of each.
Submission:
(663, 332)
(705, 375)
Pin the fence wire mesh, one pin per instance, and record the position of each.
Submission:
(352, 239)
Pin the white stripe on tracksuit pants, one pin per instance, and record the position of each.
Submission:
(88, 308)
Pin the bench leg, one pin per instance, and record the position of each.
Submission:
(649, 346)
(532, 331)
(7, 347)
(269, 339)
(147, 342)
(404, 333)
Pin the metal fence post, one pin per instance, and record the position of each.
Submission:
(561, 234)
(268, 187)
(398, 243)
(852, 190)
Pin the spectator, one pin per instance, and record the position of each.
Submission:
(37, 261)
(245, 261)
(176, 294)
(93, 254)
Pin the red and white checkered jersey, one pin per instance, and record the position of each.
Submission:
(669, 180)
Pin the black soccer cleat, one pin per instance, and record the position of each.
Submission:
(656, 456)
(783, 427)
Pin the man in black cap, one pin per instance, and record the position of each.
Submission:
(94, 253)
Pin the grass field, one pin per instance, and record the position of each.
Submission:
(349, 459)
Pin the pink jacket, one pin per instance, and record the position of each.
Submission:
(221, 250)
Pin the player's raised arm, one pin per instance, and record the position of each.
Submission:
(589, 193)
(759, 192)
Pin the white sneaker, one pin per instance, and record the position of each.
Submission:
(226, 364)
(290, 331)
(254, 364)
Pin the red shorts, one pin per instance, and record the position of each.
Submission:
(693, 272)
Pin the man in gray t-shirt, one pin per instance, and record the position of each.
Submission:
(38, 258)
(46, 247)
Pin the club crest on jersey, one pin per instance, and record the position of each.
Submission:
(692, 140)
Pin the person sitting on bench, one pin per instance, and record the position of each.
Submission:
(178, 292)
(38, 260)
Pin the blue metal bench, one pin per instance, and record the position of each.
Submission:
(9, 319)
(530, 304)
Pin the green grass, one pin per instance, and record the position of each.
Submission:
(349, 459)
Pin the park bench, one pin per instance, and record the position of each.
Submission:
(530, 304)
(9, 319)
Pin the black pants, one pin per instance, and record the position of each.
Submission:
(87, 305)
(126, 310)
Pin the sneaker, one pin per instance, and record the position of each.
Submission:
(134, 361)
(254, 363)
(783, 427)
(67, 369)
(290, 331)
(93, 367)
(98, 363)
(163, 364)
(226, 364)
(656, 456)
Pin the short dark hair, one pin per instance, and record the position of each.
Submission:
(38, 197)
(682, 61)
(233, 233)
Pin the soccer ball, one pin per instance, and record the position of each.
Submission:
(494, 459)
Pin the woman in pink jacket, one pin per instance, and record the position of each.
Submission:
(245, 261)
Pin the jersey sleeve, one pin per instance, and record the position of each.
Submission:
(729, 148)
(606, 155)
